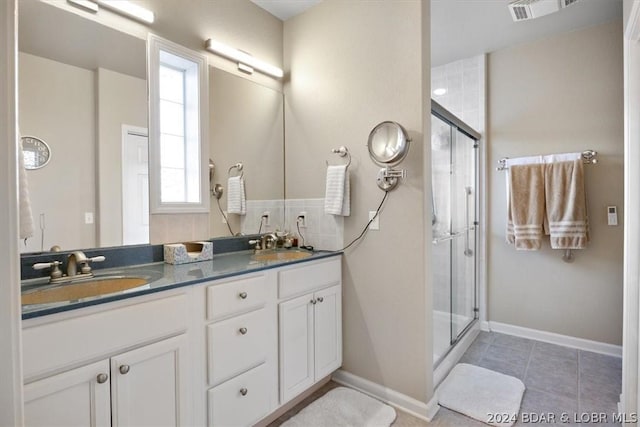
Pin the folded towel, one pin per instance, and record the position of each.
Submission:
(336, 199)
(26, 217)
(236, 200)
(566, 205)
(526, 206)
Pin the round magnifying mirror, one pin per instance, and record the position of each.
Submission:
(388, 144)
(36, 152)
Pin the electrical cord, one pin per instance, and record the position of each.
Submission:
(226, 220)
(366, 227)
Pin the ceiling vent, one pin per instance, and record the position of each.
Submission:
(522, 10)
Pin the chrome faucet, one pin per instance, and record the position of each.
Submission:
(79, 259)
(269, 241)
(77, 267)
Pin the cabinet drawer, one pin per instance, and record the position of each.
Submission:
(242, 400)
(237, 296)
(308, 277)
(237, 344)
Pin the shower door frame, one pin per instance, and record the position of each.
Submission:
(457, 124)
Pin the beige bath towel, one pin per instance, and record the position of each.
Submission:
(526, 206)
(566, 205)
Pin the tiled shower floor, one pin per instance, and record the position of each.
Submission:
(559, 381)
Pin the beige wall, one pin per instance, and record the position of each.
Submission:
(561, 94)
(348, 72)
(121, 100)
(57, 104)
(246, 125)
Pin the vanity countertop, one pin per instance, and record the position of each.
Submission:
(161, 276)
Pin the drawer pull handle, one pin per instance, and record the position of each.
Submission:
(320, 299)
(243, 295)
(243, 331)
(102, 378)
(313, 302)
(243, 391)
(124, 369)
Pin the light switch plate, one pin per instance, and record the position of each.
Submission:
(612, 215)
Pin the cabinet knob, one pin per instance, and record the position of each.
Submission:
(243, 331)
(124, 369)
(102, 378)
(313, 301)
(243, 391)
(243, 295)
(320, 299)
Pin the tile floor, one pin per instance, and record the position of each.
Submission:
(559, 380)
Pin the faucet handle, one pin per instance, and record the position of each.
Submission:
(256, 243)
(85, 268)
(54, 265)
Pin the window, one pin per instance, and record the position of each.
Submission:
(178, 146)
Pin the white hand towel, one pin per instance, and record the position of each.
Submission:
(26, 217)
(236, 200)
(337, 194)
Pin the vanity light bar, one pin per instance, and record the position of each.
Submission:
(243, 58)
(84, 4)
(129, 9)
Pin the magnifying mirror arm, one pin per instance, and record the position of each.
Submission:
(388, 178)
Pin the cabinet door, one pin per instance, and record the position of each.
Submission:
(74, 398)
(328, 331)
(148, 385)
(296, 346)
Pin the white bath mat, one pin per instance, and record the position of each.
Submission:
(344, 407)
(487, 396)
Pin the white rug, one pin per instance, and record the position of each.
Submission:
(487, 396)
(344, 407)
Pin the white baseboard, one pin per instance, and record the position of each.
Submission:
(421, 410)
(553, 338)
(484, 326)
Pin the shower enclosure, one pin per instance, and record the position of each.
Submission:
(454, 148)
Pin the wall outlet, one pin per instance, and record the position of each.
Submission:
(302, 219)
(375, 224)
(266, 215)
(88, 217)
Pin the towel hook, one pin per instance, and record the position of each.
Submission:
(237, 166)
(341, 151)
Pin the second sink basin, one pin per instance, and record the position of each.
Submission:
(79, 290)
(281, 255)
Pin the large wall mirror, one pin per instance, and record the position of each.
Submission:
(83, 90)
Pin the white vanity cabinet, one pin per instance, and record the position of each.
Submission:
(80, 397)
(142, 378)
(241, 349)
(310, 325)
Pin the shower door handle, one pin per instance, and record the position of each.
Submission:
(467, 249)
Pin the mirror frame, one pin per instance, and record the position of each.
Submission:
(154, 45)
(402, 144)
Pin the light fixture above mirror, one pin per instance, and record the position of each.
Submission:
(246, 62)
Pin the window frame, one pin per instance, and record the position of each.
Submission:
(156, 45)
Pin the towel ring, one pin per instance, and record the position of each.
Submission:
(341, 151)
(237, 166)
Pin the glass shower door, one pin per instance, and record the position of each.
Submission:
(454, 233)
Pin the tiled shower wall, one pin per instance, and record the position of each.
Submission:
(322, 231)
(464, 82)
